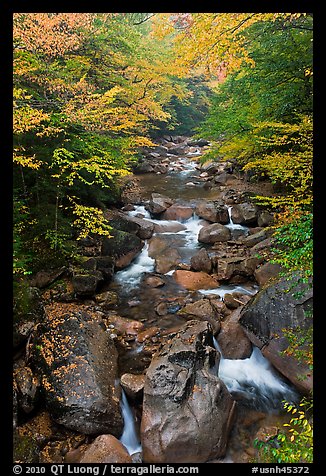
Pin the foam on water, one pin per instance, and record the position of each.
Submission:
(132, 275)
(139, 209)
(229, 289)
(193, 227)
(255, 380)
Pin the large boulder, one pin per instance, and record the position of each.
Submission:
(245, 214)
(203, 310)
(194, 280)
(122, 244)
(201, 261)
(187, 410)
(85, 284)
(76, 361)
(158, 203)
(228, 268)
(267, 271)
(165, 254)
(133, 385)
(197, 142)
(104, 264)
(27, 389)
(146, 227)
(177, 212)
(284, 304)
(232, 339)
(212, 211)
(252, 240)
(265, 218)
(136, 225)
(44, 278)
(213, 233)
(106, 449)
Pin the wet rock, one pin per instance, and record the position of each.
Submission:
(276, 307)
(178, 150)
(107, 298)
(133, 385)
(231, 301)
(197, 142)
(232, 339)
(106, 449)
(144, 167)
(201, 261)
(28, 389)
(76, 361)
(212, 211)
(104, 264)
(168, 228)
(262, 246)
(210, 167)
(245, 214)
(154, 282)
(121, 244)
(28, 310)
(194, 280)
(187, 409)
(177, 212)
(121, 221)
(213, 233)
(252, 240)
(219, 307)
(204, 311)
(222, 178)
(165, 254)
(265, 218)
(146, 228)
(267, 271)
(237, 266)
(165, 263)
(44, 278)
(85, 285)
(125, 260)
(158, 203)
(123, 325)
(147, 333)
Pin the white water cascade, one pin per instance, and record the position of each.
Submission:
(255, 380)
(131, 276)
(129, 436)
(234, 226)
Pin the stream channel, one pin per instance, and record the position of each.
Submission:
(256, 386)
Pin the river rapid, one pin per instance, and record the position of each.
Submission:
(256, 386)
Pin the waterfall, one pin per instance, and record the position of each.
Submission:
(234, 226)
(255, 381)
(129, 436)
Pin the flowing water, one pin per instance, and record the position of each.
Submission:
(129, 437)
(253, 382)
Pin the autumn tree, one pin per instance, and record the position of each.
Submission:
(87, 87)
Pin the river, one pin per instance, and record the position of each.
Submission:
(258, 388)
